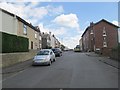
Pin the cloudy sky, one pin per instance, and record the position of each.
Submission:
(66, 20)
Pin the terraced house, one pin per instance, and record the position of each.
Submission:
(101, 37)
(13, 24)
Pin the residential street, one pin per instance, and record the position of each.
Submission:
(72, 70)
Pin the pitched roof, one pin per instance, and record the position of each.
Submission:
(106, 22)
(103, 20)
(45, 35)
(20, 19)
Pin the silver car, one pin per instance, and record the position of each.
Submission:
(44, 57)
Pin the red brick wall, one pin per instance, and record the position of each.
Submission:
(111, 38)
(98, 31)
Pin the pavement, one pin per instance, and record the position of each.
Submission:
(17, 67)
(106, 60)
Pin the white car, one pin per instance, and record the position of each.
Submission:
(44, 57)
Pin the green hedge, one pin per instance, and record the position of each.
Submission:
(12, 43)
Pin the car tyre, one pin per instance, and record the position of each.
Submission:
(59, 55)
(50, 63)
(54, 59)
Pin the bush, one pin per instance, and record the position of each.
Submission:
(12, 43)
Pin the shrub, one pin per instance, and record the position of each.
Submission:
(12, 43)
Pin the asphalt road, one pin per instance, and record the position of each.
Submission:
(72, 70)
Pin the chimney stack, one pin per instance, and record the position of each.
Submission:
(91, 24)
(50, 33)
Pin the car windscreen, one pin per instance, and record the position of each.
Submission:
(56, 50)
(43, 53)
(53, 50)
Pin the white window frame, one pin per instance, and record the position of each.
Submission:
(35, 35)
(91, 31)
(24, 29)
(40, 37)
(104, 44)
(104, 32)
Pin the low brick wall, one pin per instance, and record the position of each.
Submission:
(9, 59)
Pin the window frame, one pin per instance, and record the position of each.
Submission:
(104, 32)
(24, 29)
(104, 44)
(35, 35)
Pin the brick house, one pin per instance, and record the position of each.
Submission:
(13, 24)
(100, 37)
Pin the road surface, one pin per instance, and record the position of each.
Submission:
(72, 70)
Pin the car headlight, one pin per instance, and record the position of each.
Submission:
(47, 59)
(34, 58)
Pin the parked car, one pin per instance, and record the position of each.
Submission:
(44, 57)
(57, 51)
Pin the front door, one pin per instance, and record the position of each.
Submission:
(31, 45)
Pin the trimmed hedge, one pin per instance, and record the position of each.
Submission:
(12, 43)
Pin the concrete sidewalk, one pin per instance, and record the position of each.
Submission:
(17, 67)
(105, 60)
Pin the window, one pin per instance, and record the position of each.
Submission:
(104, 44)
(31, 45)
(24, 29)
(39, 37)
(91, 32)
(35, 35)
(104, 39)
(43, 52)
(104, 31)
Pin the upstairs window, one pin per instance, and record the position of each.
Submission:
(24, 29)
(39, 37)
(104, 39)
(104, 44)
(35, 35)
(104, 32)
(91, 32)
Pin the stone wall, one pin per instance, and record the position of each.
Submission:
(9, 59)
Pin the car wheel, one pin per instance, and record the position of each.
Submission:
(59, 55)
(54, 59)
(50, 63)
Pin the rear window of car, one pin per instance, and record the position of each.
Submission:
(53, 49)
(43, 53)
